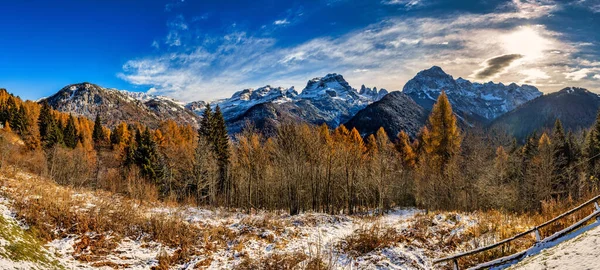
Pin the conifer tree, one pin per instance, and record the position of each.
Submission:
(443, 139)
(561, 154)
(45, 119)
(404, 148)
(206, 124)
(50, 132)
(147, 156)
(592, 151)
(220, 140)
(98, 133)
(372, 147)
(70, 133)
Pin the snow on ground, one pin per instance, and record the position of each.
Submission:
(257, 236)
(581, 250)
(18, 249)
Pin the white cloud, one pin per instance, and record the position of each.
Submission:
(533, 75)
(577, 75)
(281, 22)
(386, 54)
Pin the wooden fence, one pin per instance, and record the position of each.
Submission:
(535, 230)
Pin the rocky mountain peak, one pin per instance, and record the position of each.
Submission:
(483, 102)
(332, 85)
(115, 106)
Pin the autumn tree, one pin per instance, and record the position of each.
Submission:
(440, 143)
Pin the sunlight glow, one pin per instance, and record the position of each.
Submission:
(527, 41)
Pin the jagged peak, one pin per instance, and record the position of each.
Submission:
(434, 71)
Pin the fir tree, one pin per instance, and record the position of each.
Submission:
(70, 133)
(206, 124)
(561, 153)
(98, 133)
(147, 156)
(220, 140)
(50, 132)
(45, 120)
(592, 150)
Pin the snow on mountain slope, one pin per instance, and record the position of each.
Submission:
(325, 100)
(484, 101)
(116, 106)
(243, 100)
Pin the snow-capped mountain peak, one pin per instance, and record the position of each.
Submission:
(484, 101)
(331, 86)
(243, 100)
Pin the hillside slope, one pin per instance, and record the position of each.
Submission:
(116, 106)
(394, 112)
(575, 107)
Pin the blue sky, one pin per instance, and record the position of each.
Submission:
(202, 50)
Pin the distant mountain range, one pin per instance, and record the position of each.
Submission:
(519, 109)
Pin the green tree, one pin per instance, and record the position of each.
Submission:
(220, 141)
(147, 156)
(50, 132)
(70, 133)
(206, 124)
(98, 133)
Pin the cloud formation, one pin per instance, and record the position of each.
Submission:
(497, 65)
(384, 54)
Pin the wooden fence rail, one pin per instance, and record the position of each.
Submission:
(535, 230)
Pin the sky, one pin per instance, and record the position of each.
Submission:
(205, 50)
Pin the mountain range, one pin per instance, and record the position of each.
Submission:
(519, 109)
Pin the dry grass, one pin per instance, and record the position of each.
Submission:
(275, 261)
(102, 219)
(368, 239)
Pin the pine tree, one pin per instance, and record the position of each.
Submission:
(592, 151)
(206, 124)
(147, 156)
(70, 133)
(220, 140)
(98, 133)
(50, 132)
(561, 153)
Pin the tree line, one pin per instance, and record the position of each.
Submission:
(310, 168)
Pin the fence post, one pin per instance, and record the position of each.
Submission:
(455, 264)
(538, 238)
